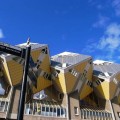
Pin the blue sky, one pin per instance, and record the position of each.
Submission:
(89, 27)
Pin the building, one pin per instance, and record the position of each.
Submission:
(70, 86)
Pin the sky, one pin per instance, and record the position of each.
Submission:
(90, 27)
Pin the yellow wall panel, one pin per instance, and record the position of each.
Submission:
(104, 90)
(81, 66)
(85, 91)
(42, 84)
(6, 71)
(89, 74)
(45, 65)
(35, 54)
(70, 81)
(16, 71)
(112, 89)
(60, 83)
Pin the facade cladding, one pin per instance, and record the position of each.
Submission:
(67, 86)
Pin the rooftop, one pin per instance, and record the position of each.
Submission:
(67, 58)
(33, 45)
(105, 68)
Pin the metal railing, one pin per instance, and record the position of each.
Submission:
(95, 114)
(45, 110)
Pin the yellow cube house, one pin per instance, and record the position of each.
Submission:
(106, 78)
(72, 72)
(13, 66)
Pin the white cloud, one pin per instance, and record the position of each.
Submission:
(116, 5)
(1, 34)
(102, 21)
(110, 41)
(89, 48)
(108, 45)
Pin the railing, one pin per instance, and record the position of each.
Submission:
(87, 113)
(45, 110)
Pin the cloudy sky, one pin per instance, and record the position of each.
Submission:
(89, 27)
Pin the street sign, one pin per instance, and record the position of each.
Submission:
(12, 50)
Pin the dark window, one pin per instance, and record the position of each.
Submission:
(98, 82)
(54, 109)
(58, 71)
(38, 66)
(91, 85)
(47, 109)
(62, 111)
(51, 109)
(44, 51)
(59, 96)
(97, 73)
(102, 80)
(49, 77)
(43, 109)
(58, 112)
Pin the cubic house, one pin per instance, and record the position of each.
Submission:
(70, 86)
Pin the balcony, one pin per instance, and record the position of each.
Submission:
(45, 108)
(95, 113)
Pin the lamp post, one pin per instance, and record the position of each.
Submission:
(24, 82)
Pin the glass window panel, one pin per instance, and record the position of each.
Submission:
(47, 109)
(51, 109)
(58, 112)
(43, 108)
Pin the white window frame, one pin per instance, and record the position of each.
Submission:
(76, 111)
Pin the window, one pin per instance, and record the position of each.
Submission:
(45, 51)
(89, 83)
(102, 80)
(60, 96)
(43, 109)
(73, 72)
(54, 110)
(62, 112)
(97, 73)
(55, 73)
(47, 109)
(90, 61)
(58, 112)
(38, 66)
(47, 76)
(119, 114)
(97, 82)
(51, 109)
(76, 110)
